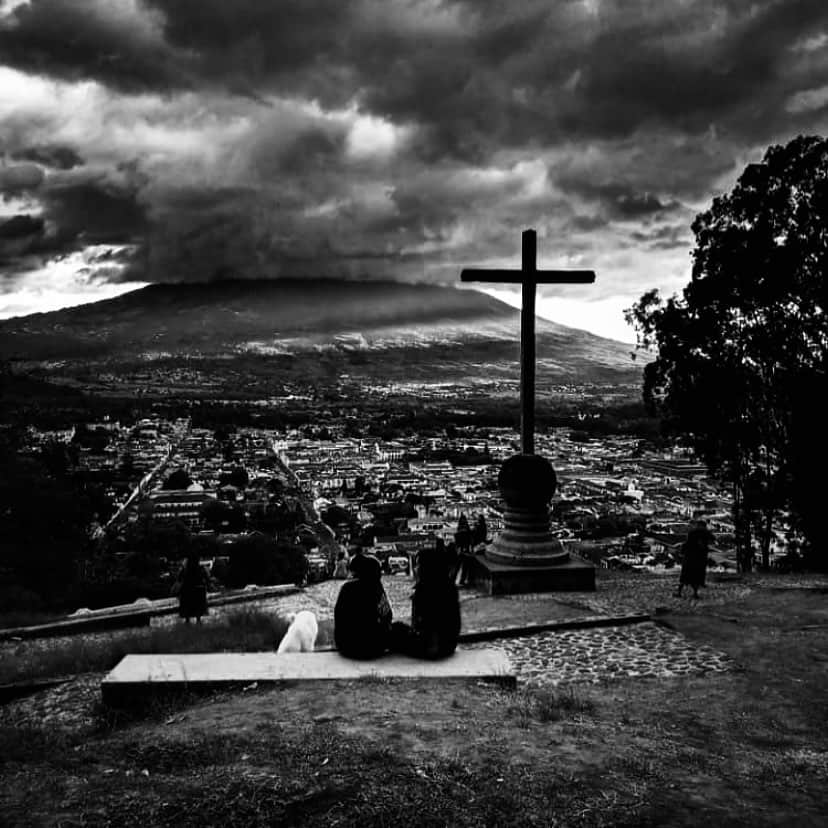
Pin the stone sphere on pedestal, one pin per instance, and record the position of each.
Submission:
(527, 483)
(527, 480)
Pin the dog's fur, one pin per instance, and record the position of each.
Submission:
(301, 634)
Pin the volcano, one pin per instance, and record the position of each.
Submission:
(378, 328)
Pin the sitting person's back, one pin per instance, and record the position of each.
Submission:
(435, 612)
(362, 615)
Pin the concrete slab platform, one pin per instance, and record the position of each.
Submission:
(138, 678)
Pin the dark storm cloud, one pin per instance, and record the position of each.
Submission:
(197, 199)
(298, 40)
(57, 157)
(112, 41)
(20, 227)
(19, 178)
(621, 200)
(642, 64)
(18, 236)
(97, 212)
(74, 216)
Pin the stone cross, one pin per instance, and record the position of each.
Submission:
(529, 277)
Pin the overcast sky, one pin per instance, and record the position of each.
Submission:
(169, 140)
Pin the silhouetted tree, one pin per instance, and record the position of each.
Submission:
(219, 516)
(55, 457)
(179, 479)
(43, 527)
(808, 460)
(96, 439)
(223, 433)
(748, 333)
(127, 467)
(237, 477)
(258, 559)
(335, 515)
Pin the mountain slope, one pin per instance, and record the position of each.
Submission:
(426, 327)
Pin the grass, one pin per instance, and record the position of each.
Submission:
(241, 630)
(308, 776)
(540, 704)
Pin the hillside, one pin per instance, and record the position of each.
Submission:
(426, 328)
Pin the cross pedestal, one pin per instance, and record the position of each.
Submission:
(526, 556)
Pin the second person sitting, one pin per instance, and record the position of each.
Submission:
(435, 611)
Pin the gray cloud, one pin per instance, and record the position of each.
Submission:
(20, 178)
(666, 237)
(57, 157)
(621, 200)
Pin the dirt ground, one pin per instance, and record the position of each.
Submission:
(746, 748)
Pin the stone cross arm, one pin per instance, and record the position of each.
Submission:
(539, 277)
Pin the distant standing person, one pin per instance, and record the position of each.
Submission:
(362, 615)
(192, 594)
(341, 568)
(435, 612)
(694, 565)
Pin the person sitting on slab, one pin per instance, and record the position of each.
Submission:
(435, 611)
(362, 615)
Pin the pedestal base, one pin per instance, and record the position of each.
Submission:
(495, 578)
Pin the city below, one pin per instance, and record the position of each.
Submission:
(329, 486)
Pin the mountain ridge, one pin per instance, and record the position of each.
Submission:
(301, 317)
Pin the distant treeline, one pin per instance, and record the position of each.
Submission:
(26, 400)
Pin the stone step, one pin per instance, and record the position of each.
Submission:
(139, 678)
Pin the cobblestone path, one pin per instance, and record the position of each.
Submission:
(606, 653)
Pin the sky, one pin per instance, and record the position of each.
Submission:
(190, 140)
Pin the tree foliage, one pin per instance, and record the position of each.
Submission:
(260, 560)
(219, 516)
(179, 479)
(237, 476)
(43, 527)
(748, 334)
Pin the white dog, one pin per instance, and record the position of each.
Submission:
(301, 634)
